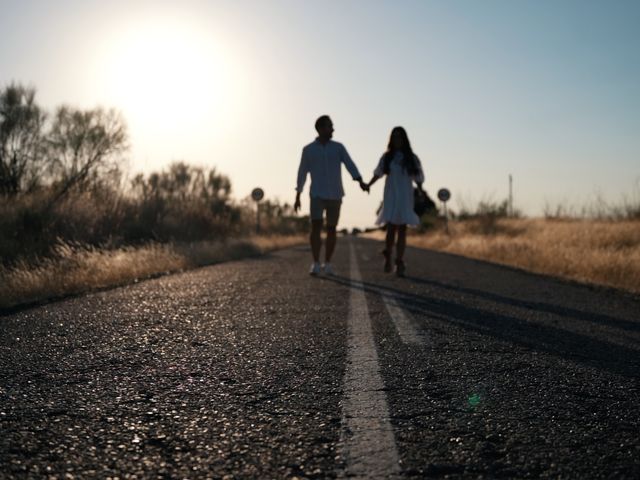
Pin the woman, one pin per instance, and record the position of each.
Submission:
(402, 167)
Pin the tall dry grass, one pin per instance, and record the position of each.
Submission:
(75, 268)
(593, 251)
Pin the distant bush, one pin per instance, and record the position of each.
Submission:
(30, 224)
(275, 217)
(484, 217)
(61, 181)
(182, 203)
(598, 251)
(628, 208)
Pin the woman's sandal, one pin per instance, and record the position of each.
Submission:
(387, 261)
(400, 268)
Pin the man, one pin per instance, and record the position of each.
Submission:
(322, 159)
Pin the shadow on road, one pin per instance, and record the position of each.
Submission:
(573, 346)
(575, 314)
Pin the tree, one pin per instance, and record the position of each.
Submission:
(84, 145)
(21, 140)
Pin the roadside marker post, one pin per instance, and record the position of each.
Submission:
(257, 194)
(444, 195)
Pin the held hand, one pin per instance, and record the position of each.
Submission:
(364, 186)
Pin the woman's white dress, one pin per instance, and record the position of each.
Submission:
(397, 204)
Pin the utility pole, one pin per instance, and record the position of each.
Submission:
(510, 196)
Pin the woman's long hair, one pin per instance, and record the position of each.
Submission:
(409, 160)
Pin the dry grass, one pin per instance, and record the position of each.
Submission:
(591, 251)
(75, 268)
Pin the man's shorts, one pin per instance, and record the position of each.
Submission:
(319, 205)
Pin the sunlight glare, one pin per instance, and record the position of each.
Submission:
(170, 78)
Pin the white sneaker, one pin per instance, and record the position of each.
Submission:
(315, 269)
(328, 270)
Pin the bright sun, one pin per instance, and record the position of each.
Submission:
(169, 77)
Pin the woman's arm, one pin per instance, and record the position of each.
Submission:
(419, 176)
(373, 180)
(378, 172)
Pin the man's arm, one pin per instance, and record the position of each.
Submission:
(296, 204)
(303, 169)
(352, 169)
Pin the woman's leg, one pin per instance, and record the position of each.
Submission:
(388, 251)
(402, 241)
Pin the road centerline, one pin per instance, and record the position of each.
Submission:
(405, 327)
(368, 443)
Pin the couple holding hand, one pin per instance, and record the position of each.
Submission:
(323, 158)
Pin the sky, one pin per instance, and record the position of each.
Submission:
(545, 90)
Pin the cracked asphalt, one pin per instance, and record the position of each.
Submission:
(236, 371)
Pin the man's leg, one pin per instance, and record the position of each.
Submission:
(315, 239)
(331, 243)
(315, 211)
(333, 215)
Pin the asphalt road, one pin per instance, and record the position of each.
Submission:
(254, 369)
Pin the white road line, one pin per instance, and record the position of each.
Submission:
(407, 331)
(369, 448)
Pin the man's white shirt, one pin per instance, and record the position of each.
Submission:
(323, 162)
